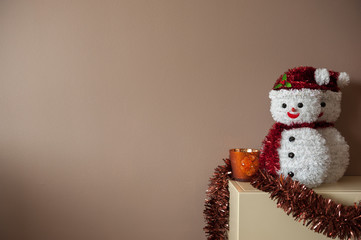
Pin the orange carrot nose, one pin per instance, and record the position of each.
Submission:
(294, 110)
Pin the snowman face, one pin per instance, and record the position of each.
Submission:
(330, 106)
(295, 105)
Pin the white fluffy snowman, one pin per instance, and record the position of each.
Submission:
(293, 146)
(330, 111)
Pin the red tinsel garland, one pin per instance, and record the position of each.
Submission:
(322, 215)
(318, 213)
(216, 210)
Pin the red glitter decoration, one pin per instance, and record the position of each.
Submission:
(269, 158)
(216, 212)
(320, 214)
(303, 77)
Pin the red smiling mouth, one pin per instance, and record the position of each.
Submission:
(291, 115)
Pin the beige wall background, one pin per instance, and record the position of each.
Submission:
(113, 114)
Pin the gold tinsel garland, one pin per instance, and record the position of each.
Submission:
(303, 204)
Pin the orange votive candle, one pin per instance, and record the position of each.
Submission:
(244, 163)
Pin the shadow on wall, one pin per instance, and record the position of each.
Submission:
(349, 124)
(13, 210)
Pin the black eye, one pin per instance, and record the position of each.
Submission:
(323, 104)
(300, 105)
(284, 105)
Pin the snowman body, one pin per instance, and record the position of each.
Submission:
(302, 150)
(303, 155)
(338, 148)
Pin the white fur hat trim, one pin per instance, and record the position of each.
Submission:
(343, 80)
(284, 93)
(322, 76)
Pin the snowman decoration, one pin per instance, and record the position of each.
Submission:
(303, 143)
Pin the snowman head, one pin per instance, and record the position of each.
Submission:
(331, 100)
(295, 106)
(300, 95)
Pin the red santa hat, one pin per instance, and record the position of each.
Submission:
(312, 78)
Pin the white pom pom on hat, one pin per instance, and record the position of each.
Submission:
(322, 76)
(343, 80)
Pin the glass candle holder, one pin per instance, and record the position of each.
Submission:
(244, 163)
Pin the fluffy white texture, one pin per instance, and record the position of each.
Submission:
(339, 153)
(322, 76)
(311, 156)
(332, 110)
(308, 97)
(343, 80)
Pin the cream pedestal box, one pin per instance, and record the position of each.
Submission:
(254, 216)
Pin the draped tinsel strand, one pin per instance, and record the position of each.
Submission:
(320, 214)
(216, 212)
